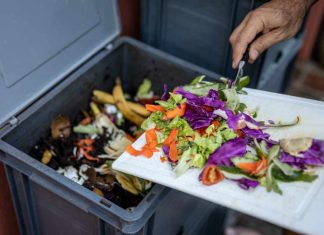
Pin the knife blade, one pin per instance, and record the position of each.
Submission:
(240, 70)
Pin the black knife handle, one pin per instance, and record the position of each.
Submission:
(247, 51)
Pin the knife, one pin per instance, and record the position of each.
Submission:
(240, 71)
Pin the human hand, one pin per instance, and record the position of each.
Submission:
(276, 21)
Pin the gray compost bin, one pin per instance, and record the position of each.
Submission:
(53, 54)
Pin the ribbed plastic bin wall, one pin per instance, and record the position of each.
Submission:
(199, 31)
(48, 203)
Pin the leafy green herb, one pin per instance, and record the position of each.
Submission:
(270, 181)
(295, 176)
(243, 82)
(144, 90)
(197, 80)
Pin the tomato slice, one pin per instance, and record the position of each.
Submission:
(211, 175)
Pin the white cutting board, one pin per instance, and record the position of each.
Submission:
(300, 208)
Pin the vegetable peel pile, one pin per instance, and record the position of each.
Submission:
(83, 150)
(204, 125)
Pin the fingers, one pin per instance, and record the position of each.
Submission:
(263, 43)
(241, 40)
(235, 35)
(238, 29)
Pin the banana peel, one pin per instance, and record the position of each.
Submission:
(106, 98)
(126, 184)
(139, 109)
(137, 184)
(122, 105)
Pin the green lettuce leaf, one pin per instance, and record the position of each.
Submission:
(144, 90)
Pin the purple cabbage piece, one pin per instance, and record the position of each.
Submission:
(198, 117)
(252, 133)
(233, 120)
(166, 151)
(165, 95)
(247, 183)
(314, 156)
(196, 114)
(233, 148)
(211, 100)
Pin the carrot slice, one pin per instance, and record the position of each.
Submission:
(85, 121)
(132, 151)
(163, 159)
(172, 137)
(151, 138)
(253, 167)
(88, 156)
(216, 123)
(149, 148)
(262, 164)
(83, 142)
(248, 167)
(154, 108)
(147, 151)
(173, 153)
(211, 175)
(176, 112)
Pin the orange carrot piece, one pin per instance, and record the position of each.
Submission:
(147, 151)
(173, 153)
(85, 121)
(253, 167)
(262, 164)
(132, 151)
(171, 138)
(83, 142)
(88, 156)
(176, 112)
(216, 123)
(248, 167)
(151, 138)
(163, 159)
(154, 108)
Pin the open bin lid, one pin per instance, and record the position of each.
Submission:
(42, 41)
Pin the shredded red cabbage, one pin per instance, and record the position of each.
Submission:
(247, 183)
(198, 117)
(211, 100)
(165, 95)
(232, 148)
(166, 151)
(314, 156)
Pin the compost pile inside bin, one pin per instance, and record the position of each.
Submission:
(84, 149)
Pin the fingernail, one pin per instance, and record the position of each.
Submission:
(233, 65)
(254, 54)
